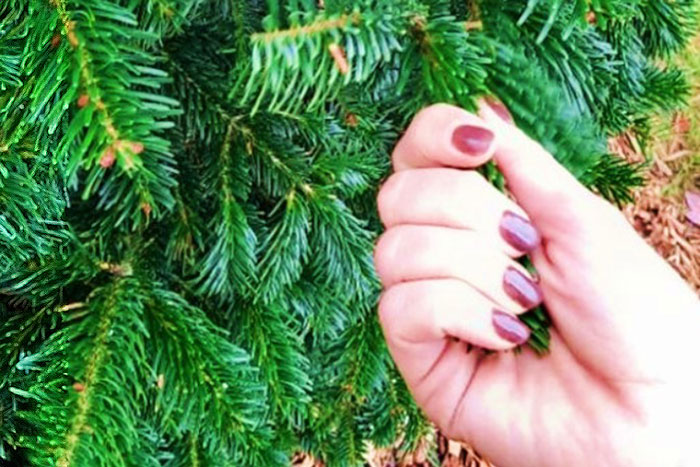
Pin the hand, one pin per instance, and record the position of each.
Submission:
(620, 386)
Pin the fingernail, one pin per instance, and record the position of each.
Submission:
(519, 232)
(500, 109)
(510, 328)
(472, 140)
(521, 288)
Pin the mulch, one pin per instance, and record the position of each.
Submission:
(659, 212)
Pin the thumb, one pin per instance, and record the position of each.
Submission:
(550, 194)
(442, 135)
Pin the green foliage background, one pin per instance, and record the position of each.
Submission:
(187, 204)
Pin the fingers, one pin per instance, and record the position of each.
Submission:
(450, 227)
(413, 253)
(444, 135)
(432, 310)
(456, 199)
(420, 320)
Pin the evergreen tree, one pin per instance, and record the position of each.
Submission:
(187, 204)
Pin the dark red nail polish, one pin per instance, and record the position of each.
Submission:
(472, 140)
(510, 328)
(500, 109)
(521, 288)
(519, 232)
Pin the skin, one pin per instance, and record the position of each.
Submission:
(619, 387)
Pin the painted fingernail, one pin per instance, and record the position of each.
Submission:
(510, 328)
(500, 109)
(519, 232)
(521, 288)
(472, 140)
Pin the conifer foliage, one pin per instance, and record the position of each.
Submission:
(187, 204)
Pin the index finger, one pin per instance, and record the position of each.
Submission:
(443, 135)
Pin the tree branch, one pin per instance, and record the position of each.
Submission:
(95, 363)
(313, 28)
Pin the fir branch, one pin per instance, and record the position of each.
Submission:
(96, 360)
(88, 80)
(324, 313)
(362, 357)
(239, 15)
(448, 59)
(277, 350)
(229, 266)
(193, 451)
(578, 12)
(103, 124)
(88, 379)
(188, 452)
(568, 133)
(168, 17)
(316, 60)
(285, 249)
(207, 387)
(612, 177)
(355, 366)
(322, 25)
(283, 116)
(342, 245)
(29, 223)
(43, 280)
(17, 334)
(201, 81)
(187, 238)
(576, 55)
(280, 164)
(392, 414)
(11, 427)
(210, 100)
(148, 452)
(31, 199)
(665, 90)
(11, 26)
(667, 25)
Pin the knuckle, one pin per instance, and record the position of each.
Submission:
(385, 251)
(390, 305)
(464, 185)
(426, 116)
(389, 194)
(429, 112)
(424, 121)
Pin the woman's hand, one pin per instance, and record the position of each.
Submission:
(620, 386)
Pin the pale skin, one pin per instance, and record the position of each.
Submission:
(621, 384)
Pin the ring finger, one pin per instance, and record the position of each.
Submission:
(410, 253)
